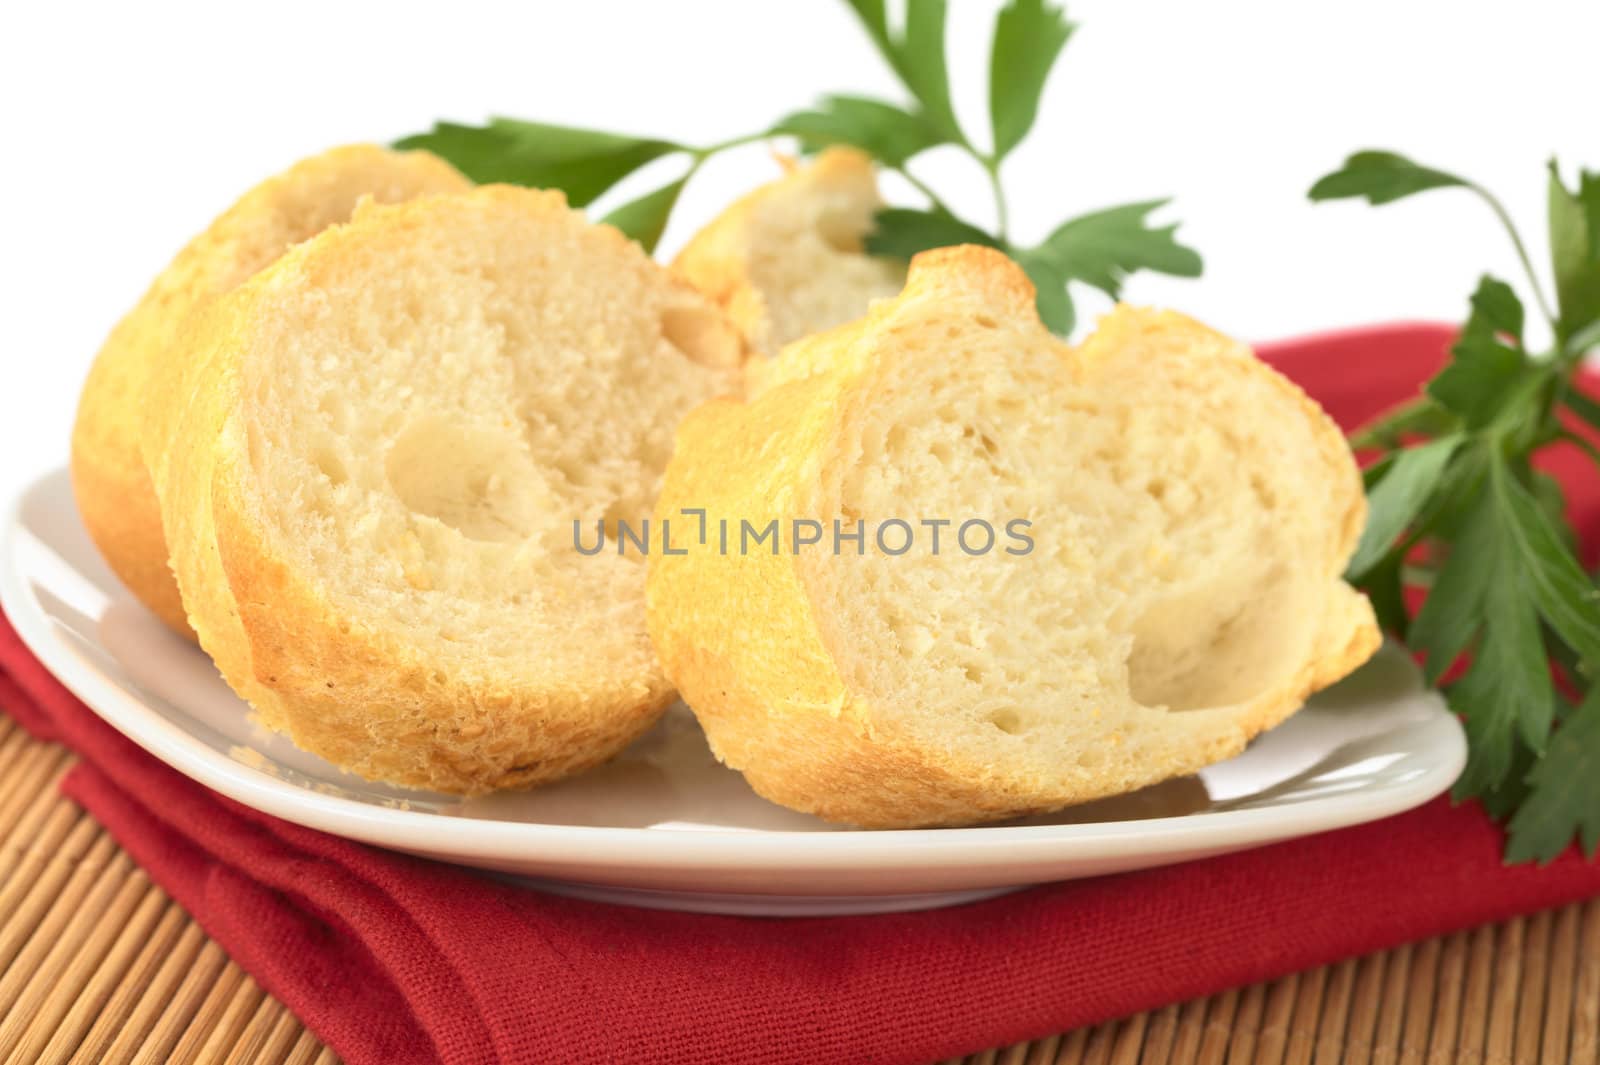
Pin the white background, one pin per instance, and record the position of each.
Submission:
(125, 128)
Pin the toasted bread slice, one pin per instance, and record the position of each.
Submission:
(786, 261)
(371, 471)
(109, 478)
(1176, 591)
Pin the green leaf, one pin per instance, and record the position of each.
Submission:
(583, 163)
(875, 18)
(922, 64)
(1575, 249)
(1507, 693)
(645, 218)
(1585, 339)
(1453, 611)
(1501, 802)
(1396, 500)
(1589, 196)
(1051, 295)
(1484, 371)
(1552, 500)
(1102, 248)
(901, 232)
(1028, 38)
(1582, 404)
(1564, 796)
(1496, 308)
(1381, 177)
(889, 133)
(1377, 471)
(1423, 417)
(917, 56)
(1567, 659)
(1385, 587)
(1502, 575)
(1552, 577)
(1453, 508)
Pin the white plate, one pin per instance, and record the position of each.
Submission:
(664, 824)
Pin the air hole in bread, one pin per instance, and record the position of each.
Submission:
(1006, 720)
(1213, 645)
(463, 476)
(330, 464)
(702, 335)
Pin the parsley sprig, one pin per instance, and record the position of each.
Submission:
(1099, 249)
(1458, 507)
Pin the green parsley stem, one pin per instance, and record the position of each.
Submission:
(991, 165)
(1381, 433)
(1522, 252)
(924, 188)
(1573, 438)
(702, 154)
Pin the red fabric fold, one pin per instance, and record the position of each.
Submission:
(394, 959)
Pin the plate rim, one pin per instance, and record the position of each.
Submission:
(643, 848)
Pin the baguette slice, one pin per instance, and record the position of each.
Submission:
(787, 260)
(109, 478)
(1191, 513)
(370, 473)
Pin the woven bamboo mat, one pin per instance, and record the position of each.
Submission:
(97, 964)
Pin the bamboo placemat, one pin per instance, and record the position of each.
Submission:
(97, 964)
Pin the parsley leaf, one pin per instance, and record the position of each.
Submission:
(584, 163)
(1501, 802)
(1484, 370)
(1381, 177)
(901, 232)
(917, 56)
(1397, 498)
(1575, 250)
(1102, 248)
(1508, 569)
(1451, 615)
(1421, 416)
(1385, 587)
(645, 218)
(1051, 296)
(1550, 575)
(1028, 38)
(1506, 584)
(1496, 309)
(1583, 405)
(1563, 791)
(1584, 340)
(922, 65)
(1507, 692)
(875, 20)
(890, 133)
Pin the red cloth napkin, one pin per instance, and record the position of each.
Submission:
(393, 959)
